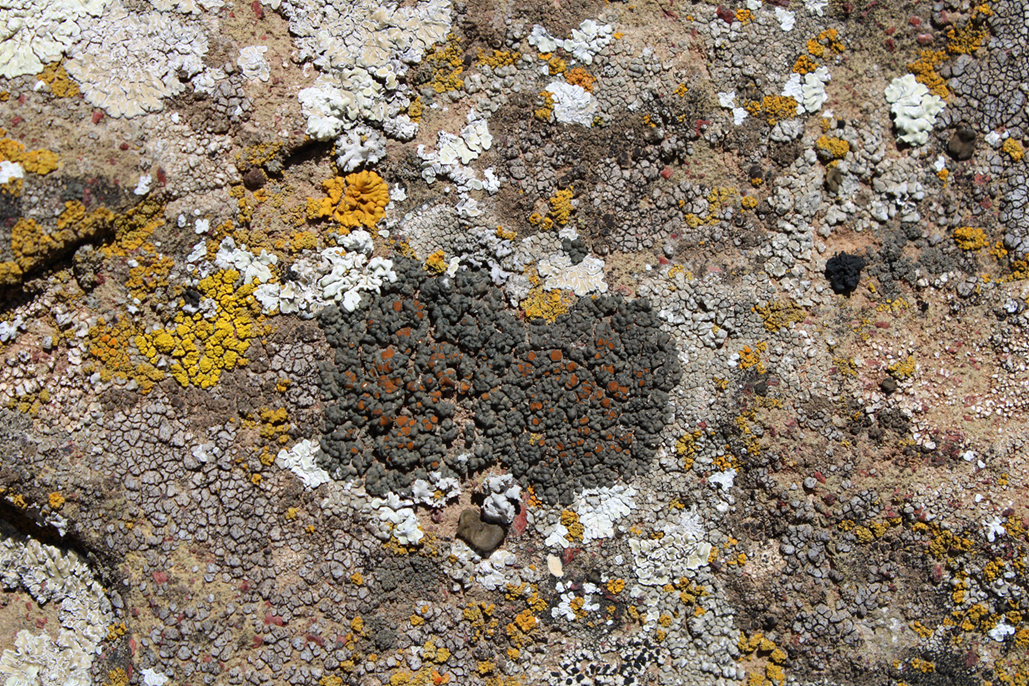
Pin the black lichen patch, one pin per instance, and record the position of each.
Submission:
(437, 374)
(844, 272)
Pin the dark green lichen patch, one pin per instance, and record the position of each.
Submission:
(438, 374)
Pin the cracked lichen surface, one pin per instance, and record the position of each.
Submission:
(464, 343)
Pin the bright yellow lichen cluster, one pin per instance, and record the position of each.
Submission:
(415, 109)
(570, 520)
(447, 63)
(499, 58)
(762, 648)
(744, 16)
(546, 111)
(202, 348)
(832, 148)
(970, 238)
(561, 206)
(360, 199)
(777, 314)
(824, 42)
(772, 108)
(902, 369)
(110, 345)
(581, 77)
(1014, 149)
(924, 69)
(436, 262)
(686, 447)
(751, 357)
(61, 85)
(555, 64)
(546, 305)
(151, 274)
(805, 65)
(40, 162)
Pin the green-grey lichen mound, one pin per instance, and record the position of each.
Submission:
(437, 373)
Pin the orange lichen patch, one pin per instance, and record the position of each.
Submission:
(581, 77)
(358, 200)
(56, 500)
(61, 85)
(831, 148)
(970, 238)
(744, 16)
(924, 69)
(773, 108)
(415, 109)
(824, 42)
(970, 37)
(498, 58)
(555, 64)
(546, 111)
(33, 161)
(436, 262)
(546, 305)
(805, 65)
(110, 346)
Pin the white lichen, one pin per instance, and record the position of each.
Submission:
(914, 108)
(573, 104)
(583, 278)
(300, 459)
(253, 63)
(502, 496)
(34, 33)
(127, 63)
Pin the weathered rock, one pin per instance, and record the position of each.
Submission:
(483, 537)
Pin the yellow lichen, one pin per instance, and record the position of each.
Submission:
(827, 40)
(436, 262)
(546, 305)
(902, 369)
(447, 62)
(970, 238)
(831, 148)
(546, 111)
(202, 348)
(777, 314)
(570, 520)
(498, 58)
(924, 69)
(415, 109)
(805, 65)
(616, 586)
(772, 108)
(561, 206)
(360, 199)
(744, 16)
(61, 85)
(1014, 149)
(581, 77)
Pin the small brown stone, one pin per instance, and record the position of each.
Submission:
(483, 537)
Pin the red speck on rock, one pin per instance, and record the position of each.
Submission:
(882, 325)
(521, 520)
(829, 499)
(891, 45)
(160, 577)
(258, 10)
(925, 38)
(915, 21)
(662, 261)
(666, 173)
(16, 121)
(132, 645)
(819, 476)
(725, 14)
(890, 31)
(123, 146)
(568, 555)
(162, 178)
(244, 586)
(269, 618)
(97, 116)
(311, 638)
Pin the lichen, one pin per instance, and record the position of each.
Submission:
(358, 200)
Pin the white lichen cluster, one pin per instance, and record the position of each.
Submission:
(300, 459)
(50, 575)
(681, 548)
(253, 62)
(362, 48)
(437, 491)
(501, 496)
(127, 62)
(914, 108)
(600, 508)
(395, 517)
(496, 572)
(560, 274)
(583, 43)
(34, 33)
(338, 275)
(10, 171)
(808, 90)
(251, 267)
(573, 104)
(565, 610)
(450, 160)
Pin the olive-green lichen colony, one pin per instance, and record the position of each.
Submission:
(577, 403)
